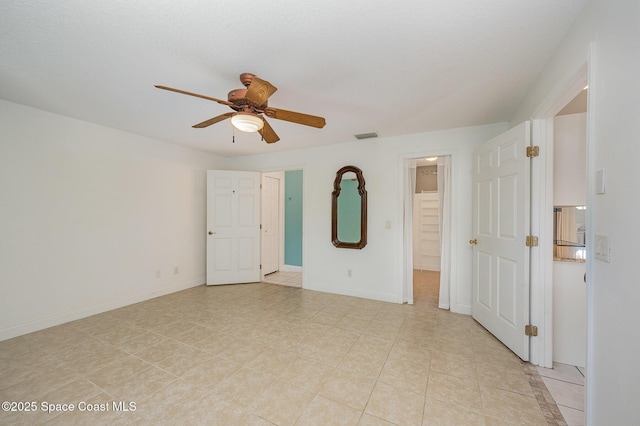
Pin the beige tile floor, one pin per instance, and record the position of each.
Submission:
(264, 354)
(291, 279)
(566, 385)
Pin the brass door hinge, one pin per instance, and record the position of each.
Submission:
(533, 151)
(531, 241)
(530, 330)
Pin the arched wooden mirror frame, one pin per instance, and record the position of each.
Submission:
(363, 209)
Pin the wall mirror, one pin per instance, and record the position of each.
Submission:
(569, 233)
(349, 209)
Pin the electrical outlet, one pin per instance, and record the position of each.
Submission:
(349, 273)
(176, 270)
(158, 273)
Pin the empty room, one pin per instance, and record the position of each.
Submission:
(218, 212)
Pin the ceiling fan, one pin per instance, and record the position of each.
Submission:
(250, 106)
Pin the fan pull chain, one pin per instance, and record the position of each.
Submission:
(233, 134)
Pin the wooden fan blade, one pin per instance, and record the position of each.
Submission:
(295, 117)
(171, 89)
(268, 134)
(259, 91)
(213, 120)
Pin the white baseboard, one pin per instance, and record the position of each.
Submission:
(64, 317)
(383, 297)
(461, 309)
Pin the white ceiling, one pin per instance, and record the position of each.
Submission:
(365, 65)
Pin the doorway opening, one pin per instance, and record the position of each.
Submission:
(281, 219)
(426, 286)
(426, 231)
(549, 308)
(427, 234)
(570, 208)
(569, 271)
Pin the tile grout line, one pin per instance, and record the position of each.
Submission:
(557, 379)
(545, 400)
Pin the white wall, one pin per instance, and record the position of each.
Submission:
(570, 160)
(95, 218)
(377, 269)
(569, 313)
(569, 289)
(612, 28)
(89, 215)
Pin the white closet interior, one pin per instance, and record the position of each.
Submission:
(426, 231)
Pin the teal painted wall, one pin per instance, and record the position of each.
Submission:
(293, 218)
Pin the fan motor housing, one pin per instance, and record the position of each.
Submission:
(237, 97)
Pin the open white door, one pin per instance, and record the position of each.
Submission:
(233, 227)
(270, 224)
(501, 222)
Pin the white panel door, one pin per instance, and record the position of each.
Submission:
(233, 227)
(270, 224)
(501, 221)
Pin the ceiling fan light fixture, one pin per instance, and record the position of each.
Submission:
(249, 105)
(247, 122)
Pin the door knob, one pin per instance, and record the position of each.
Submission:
(473, 242)
(211, 232)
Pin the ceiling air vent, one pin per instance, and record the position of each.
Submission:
(367, 135)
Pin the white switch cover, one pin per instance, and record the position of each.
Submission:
(601, 249)
(388, 224)
(600, 181)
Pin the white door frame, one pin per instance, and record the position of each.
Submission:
(280, 171)
(541, 350)
(280, 176)
(453, 249)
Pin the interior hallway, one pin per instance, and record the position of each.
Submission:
(266, 354)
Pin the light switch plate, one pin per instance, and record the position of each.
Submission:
(600, 181)
(601, 249)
